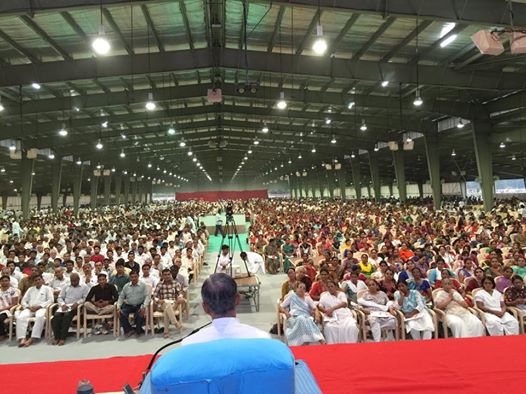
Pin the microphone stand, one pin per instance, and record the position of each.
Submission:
(152, 360)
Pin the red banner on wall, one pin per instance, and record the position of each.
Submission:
(222, 195)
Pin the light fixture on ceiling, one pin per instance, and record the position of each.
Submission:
(63, 132)
(448, 40)
(99, 145)
(408, 139)
(150, 104)
(79, 162)
(514, 157)
(2, 170)
(363, 127)
(249, 151)
(282, 103)
(256, 142)
(453, 153)
(418, 98)
(290, 161)
(101, 45)
(12, 147)
(123, 155)
(99, 166)
(350, 105)
(319, 46)
(376, 147)
(328, 121)
(182, 144)
(123, 136)
(76, 109)
(36, 86)
(194, 159)
(385, 83)
(104, 124)
(149, 165)
(460, 124)
(502, 145)
(1, 105)
(51, 156)
(190, 153)
(299, 156)
(264, 129)
(171, 130)
(446, 29)
(313, 150)
(333, 140)
(353, 155)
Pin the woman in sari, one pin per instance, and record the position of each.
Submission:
(380, 311)
(352, 286)
(299, 309)
(463, 324)
(418, 321)
(491, 302)
(339, 325)
(475, 281)
(420, 284)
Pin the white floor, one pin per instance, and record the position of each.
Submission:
(104, 346)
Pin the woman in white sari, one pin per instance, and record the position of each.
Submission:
(339, 325)
(490, 301)
(299, 309)
(463, 323)
(418, 321)
(380, 311)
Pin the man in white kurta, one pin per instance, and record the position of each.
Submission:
(254, 261)
(34, 304)
(220, 298)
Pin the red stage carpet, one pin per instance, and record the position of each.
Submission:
(489, 365)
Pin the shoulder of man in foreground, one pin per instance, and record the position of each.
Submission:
(235, 329)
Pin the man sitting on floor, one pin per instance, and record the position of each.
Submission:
(34, 304)
(69, 299)
(168, 296)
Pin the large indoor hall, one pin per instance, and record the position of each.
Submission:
(262, 196)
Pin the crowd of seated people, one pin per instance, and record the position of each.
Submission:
(353, 268)
(101, 267)
(427, 270)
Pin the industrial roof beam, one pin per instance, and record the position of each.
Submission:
(42, 34)
(184, 14)
(151, 25)
(116, 29)
(117, 66)
(23, 51)
(491, 12)
(310, 30)
(370, 42)
(333, 45)
(275, 32)
(410, 37)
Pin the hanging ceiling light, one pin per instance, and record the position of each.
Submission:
(376, 147)
(460, 124)
(350, 105)
(333, 140)
(249, 151)
(408, 139)
(313, 150)
(101, 45)
(182, 144)
(299, 156)
(290, 161)
(190, 153)
(123, 155)
(264, 129)
(319, 46)
(1, 106)
(453, 153)
(418, 99)
(385, 84)
(79, 162)
(282, 103)
(12, 147)
(171, 130)
(328, 121)
(363, 127)
(104, 124)
(99, 145)
(123, 136)
(502, 145)
(149, 165)
(63, 132)
(194, 159)
(36, 86)
(150, 104)
(353, 155)
(51, 156)
(256, 142)
(514, 157)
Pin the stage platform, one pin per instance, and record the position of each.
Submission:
(477, 365)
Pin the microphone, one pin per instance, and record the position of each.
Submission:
(152, 360)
